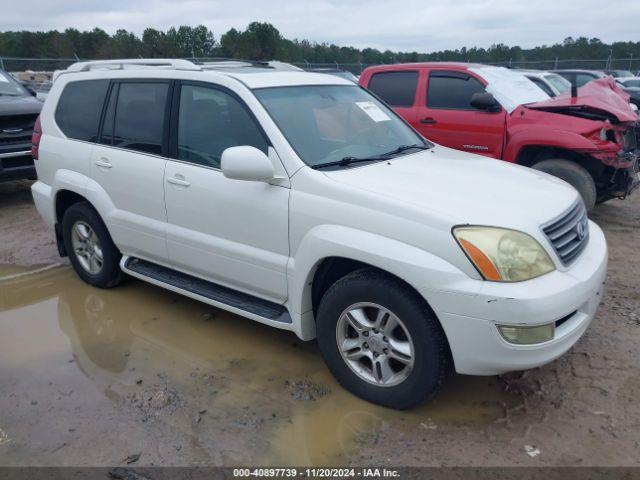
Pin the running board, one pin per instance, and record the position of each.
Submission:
(209, 292)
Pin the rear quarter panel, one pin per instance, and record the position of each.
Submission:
(56, 151)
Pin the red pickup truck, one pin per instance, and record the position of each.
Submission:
(589, 138)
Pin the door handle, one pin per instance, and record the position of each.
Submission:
(103, 163)
(428, 121)
(178, 181)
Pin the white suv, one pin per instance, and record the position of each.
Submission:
(301, 201)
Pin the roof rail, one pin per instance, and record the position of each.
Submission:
(176, 63)
(225, 64)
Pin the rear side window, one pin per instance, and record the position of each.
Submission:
(80, 107)
(452, 90)
(398, 89)
(139, 117)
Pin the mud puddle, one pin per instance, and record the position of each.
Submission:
(140, 370)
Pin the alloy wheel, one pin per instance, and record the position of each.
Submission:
(375, 344)
(86, 247)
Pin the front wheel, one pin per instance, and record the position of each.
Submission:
(381, 341)
(575, 175)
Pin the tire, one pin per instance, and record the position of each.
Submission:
(575, 175)
(430, 352)
(78, 217)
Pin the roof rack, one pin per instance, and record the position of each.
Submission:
(213, 64)
(176, 63)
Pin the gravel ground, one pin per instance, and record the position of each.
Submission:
(147, 377)
(26, 240)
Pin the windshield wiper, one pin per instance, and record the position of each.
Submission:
(403, 148)
(384, 156)
(345, 161)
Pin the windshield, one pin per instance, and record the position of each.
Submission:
(330, 123)
(8, 86)
(559, 83)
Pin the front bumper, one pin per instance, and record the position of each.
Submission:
(469, 319)
(16, 163)
(632, 180)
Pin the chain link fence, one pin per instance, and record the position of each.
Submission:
(27, 67)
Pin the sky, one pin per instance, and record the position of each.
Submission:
(400, 25)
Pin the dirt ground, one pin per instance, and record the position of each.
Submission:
(141, 376)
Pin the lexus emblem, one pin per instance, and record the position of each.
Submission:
(580, 230)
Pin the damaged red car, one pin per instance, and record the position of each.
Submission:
(588, 137)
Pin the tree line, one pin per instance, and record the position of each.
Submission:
(263, 41)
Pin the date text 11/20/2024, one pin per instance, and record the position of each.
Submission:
(315, 473)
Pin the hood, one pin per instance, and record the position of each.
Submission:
(22, 105)
(462, 188)
(599, 99)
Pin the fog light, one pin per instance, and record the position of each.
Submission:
(527, 335)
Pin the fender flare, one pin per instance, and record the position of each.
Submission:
(541, 137)
(84, 186)
(423, 271)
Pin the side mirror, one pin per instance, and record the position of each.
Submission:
(246, 163)
(485, 101)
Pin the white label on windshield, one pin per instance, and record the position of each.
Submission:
(374, 111)
(2, 79)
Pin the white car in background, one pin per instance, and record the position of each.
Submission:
(301, 201)
(550, 83)
(629, 82)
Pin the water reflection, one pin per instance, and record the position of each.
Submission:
(138, 336)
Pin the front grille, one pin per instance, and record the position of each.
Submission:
(630, 139)
(17, 162)
(16, 129)
(569, 234)
(14, 139)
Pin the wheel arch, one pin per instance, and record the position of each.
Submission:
(64, 199)
(70, 188)
(529, 155)
(328, 253)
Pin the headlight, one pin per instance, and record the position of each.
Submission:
(503, 255)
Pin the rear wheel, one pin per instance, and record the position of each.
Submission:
(92, 253)
(380, 339)
(574, 174)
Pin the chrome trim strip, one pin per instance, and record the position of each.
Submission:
(15, 154)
